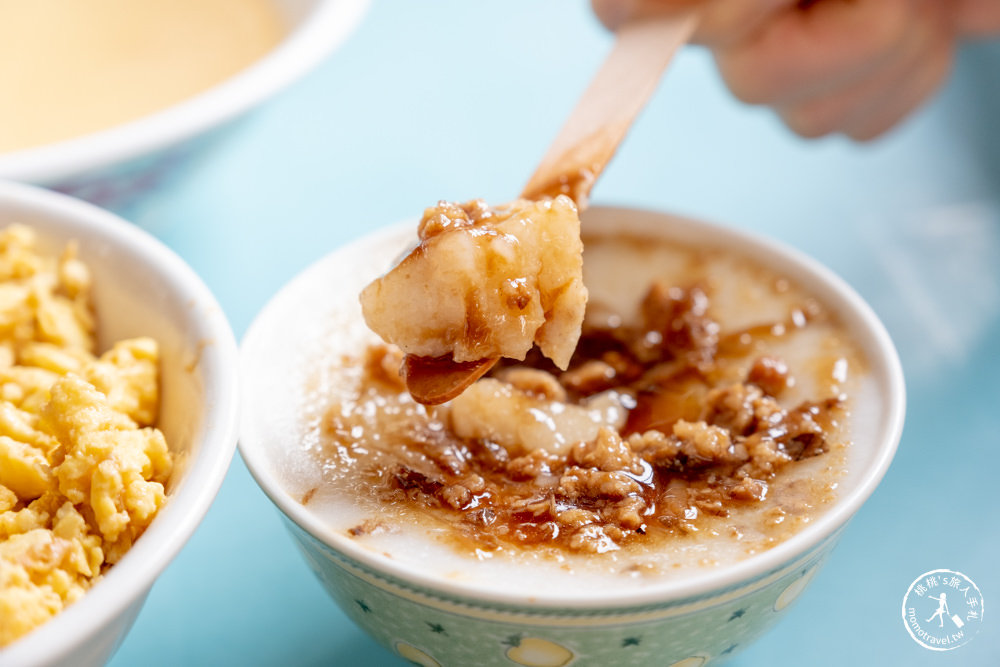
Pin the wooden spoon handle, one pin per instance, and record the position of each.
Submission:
(574, 161)
(628, 77)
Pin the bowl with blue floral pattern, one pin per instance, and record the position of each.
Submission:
(730, 407)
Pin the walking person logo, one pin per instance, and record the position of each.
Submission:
(942, 610)
(934, 596)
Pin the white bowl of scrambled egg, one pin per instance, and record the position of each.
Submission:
(118, 418)
(108, 97)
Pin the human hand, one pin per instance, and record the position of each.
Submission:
(856, 67)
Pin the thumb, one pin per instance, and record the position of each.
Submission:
(973, 18)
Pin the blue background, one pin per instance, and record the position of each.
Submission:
(457, 99)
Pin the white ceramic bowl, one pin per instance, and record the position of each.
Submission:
(141, 288)
(707, 615)
(114, 166)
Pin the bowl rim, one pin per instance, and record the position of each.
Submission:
(130, 580)
(323, 30)
(887, 366)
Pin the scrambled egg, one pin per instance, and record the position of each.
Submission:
(82, 470)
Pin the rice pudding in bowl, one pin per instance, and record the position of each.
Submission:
(87, 65)
(124, 141)
(615, 545)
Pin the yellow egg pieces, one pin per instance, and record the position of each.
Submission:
(82, 470)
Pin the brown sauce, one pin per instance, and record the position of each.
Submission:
(714, 421)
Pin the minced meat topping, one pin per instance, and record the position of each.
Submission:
(652, 428)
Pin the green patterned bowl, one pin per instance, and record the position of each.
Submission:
(430, 619)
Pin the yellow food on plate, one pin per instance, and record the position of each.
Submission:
(485, 283)
(82, 469)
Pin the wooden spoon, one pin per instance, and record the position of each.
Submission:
(584, 146)
(603, 115)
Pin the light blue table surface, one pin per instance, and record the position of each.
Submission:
(455, 100)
